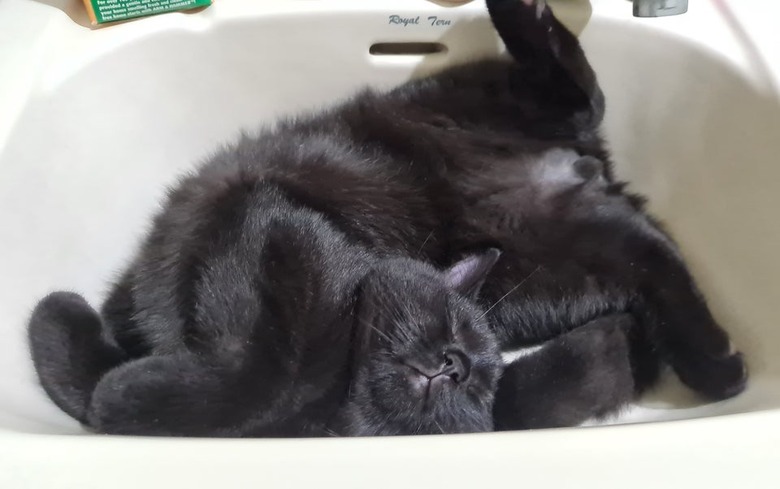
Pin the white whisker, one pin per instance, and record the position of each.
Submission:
(375, 329)
(510, 291)
(430, 235)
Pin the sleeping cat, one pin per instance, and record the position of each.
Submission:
(339, 274)
(311, 335)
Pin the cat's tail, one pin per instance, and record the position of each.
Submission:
(69, 351)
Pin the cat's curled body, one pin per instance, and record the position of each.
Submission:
(249, 314)
(283, 290)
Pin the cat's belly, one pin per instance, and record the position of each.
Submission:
(565, 231)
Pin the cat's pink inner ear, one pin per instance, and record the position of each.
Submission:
(460, 272)
(467, 275)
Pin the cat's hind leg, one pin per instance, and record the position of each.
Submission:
(69, 351)
(670, 308)
(583, 374)
(550, 61)
(674, 310)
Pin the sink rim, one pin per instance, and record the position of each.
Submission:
(748, 430)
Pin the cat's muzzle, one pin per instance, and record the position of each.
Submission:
(428, 381)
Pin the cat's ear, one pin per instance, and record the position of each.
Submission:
(468, 275)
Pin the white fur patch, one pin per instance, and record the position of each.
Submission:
(555, 169)
(513, 356)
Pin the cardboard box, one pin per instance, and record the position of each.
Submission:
(103, 11)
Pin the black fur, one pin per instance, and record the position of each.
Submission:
(295, 332)
(284, 290)
(583, 374)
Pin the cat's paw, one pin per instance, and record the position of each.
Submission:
(541, 7)
(715, 377)
(156, 395)
(531, 31)
(531, 9)
(124, 397)
(579, 375)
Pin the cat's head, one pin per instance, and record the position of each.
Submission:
(425, 359)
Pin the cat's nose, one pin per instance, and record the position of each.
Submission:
(457, 366)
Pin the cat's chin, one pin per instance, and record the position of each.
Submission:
(358, 423)
(424, 406)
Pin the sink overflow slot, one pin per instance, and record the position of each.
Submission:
(406, 48)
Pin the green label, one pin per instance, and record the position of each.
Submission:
(112, 10)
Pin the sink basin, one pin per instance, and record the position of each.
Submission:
(96, 122)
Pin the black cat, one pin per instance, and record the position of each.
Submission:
(309, 336)
(284, 290)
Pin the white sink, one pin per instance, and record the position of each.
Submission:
(95, 123)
